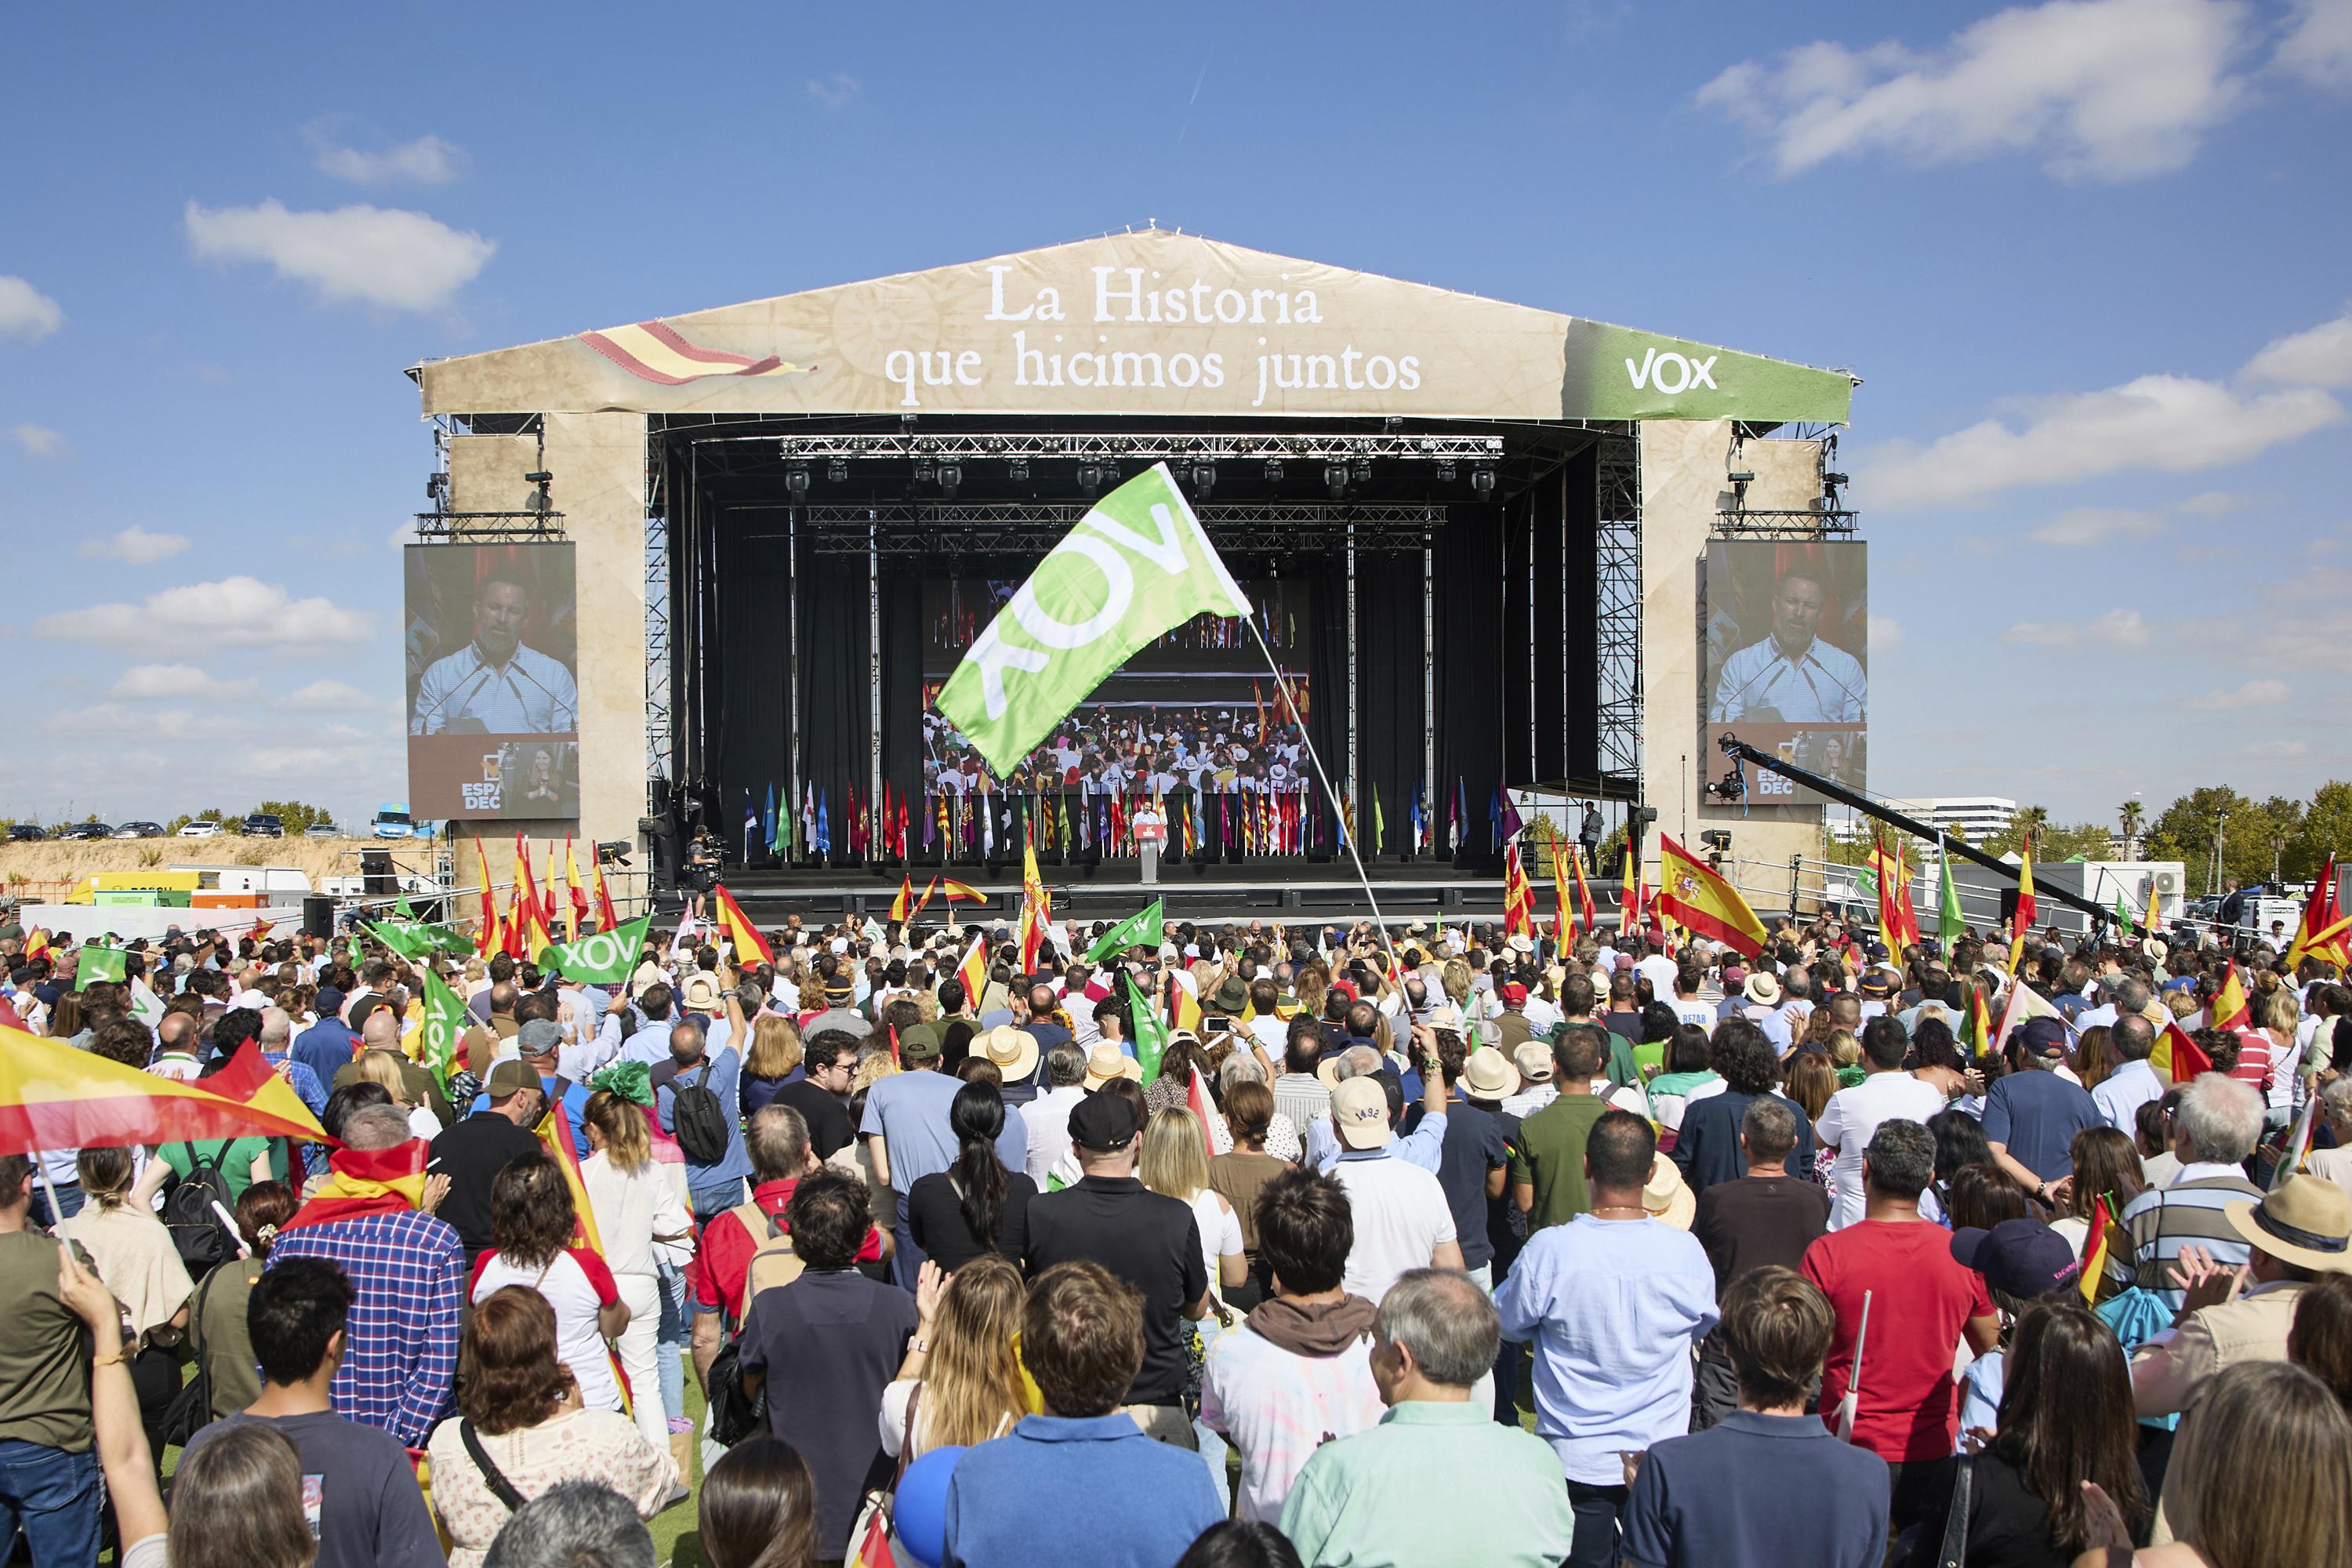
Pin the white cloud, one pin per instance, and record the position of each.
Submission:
(2089, 525)
(2211, 503)
(2116, 628)
(835, 91)
(354, 255)
(2262, 693)
(427, 160)
(136, 545)
(2320, 357)
(176, 682)
(113, 719)
(38, 440)
(2318, 48)
(329, 697)
(235, 612)
(2106, 89)
(2279, 749)
(27, 312)
(1885, 635)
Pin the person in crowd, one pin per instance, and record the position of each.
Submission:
(716, 1175)
(1886, 1092)
(1366, 1498)
(910, 1134)
(471, 1154)
(1242, 1173)
(1613, 1302)
(2031, 1118)
(639, 1206)
(1241, 1544)
(49, 1485)
(773, 1059)
(2291, 1234)
(1765, 1218)
(2102, 1164)
(2215, 1127)
(574, 1524)
(955, 1216)
(1473, 1162)
(757, 1507)
(368, 1511)
(1922, 1303)
(1174, 1163)
(2321, 1338)
(2133, 1082)
(822, 1094)
(831, 1339)
(1083, 1339)
(960, 1381)
(1403, 1220)
(1298, 1369)
(2261, 1476)
(217, 1337)
(1706, 1147)
(1765, 1484)
(135, 1256)
(1146, 1239)
(533, 1229)
(1547, 1170)
(382, 1069)
(373, 1217)
(521, 1429)
(1298, 1092)
(1047, 1117)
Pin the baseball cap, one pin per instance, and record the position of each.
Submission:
(1512, 991)
(330, 1000)
(2022, 1257)
(1102, 1122)
(918, 1043)
(509, 1077)
(1360, 1106)
(1877, 985)
(539, 1037)
(1533, 1058)
(2043, 1036)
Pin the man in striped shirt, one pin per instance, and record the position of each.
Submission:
(2213, 1133)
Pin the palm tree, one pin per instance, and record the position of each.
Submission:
(2132, 814)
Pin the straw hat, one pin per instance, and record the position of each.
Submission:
(1488, 1074)
(2307, 1223)
(1106, 1062)
(1014, 1051)
(1762, 988)
(1667, 1196)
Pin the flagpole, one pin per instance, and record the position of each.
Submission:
(1379, 921)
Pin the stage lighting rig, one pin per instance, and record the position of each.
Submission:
(1274, 470)
(1205, 479)
(1444, 471)
(613, 852)
(1363, 472)
(1335, 479)
(796, 481)
(836, 472)
(924, 470)
(1090, 476)
(950, 478)
(1482, 481)
(1017, 470)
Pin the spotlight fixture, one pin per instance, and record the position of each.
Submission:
(1204, 478)
(1741, 477)
(796, 481)
(1274, 470)
(1335, 479)
(923, 471)
(1364, 471)
(436, 487)
(1835, 482)
(1017, 470)
(950, 477)
(1090, 476)
(836, 472)
(1445, 471)
(1482, 480)
(539, 476)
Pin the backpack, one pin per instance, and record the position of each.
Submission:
(774, 1262)
(188, 1214)
(702, 1122)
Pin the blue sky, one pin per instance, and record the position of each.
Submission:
(2102, 238)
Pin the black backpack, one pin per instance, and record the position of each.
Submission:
(188, 1214)
(702, 1122)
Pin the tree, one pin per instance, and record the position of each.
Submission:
(2251, 835)
(2131, 814)
(294, 814)
(2325, 828)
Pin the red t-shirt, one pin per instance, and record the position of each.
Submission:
(722, 1263)
(1920, 1300)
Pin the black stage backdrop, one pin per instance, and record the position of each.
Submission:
(836, 686)
(1388, 604)
(1473, 646)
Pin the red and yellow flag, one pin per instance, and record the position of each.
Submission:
(1583, 893)
(973, 971)
(2177, 1057)
(1183, 1011)
(536, 935)
(902, 907)
(606, 918)
(577, 896)
(54, 1097)
(2026, 907)
(2095, 1252)
(1518, 895)
(1563, 925)
(1633, 896)
(920, 904)
(740, 931)
(2326, 931)
(1036, 908)
(1898, 922)
(1691, 894)
(2228, 1010)
(554, 1131)
(489, 939)
(962, 892)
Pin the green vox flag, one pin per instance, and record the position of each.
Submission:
(100, 963)
(417, 939)
(1949, 923)
(604, 958)
(2123, 921)
(1151, 1034)
(1142, 929)
(400, 907)
(1135, 567)
(445, 1025)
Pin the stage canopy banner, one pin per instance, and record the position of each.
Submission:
(1139, 323)
(1136, 565)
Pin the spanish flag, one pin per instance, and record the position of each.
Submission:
(1583, 893)
(489, 937)
(2325, 931)
(2023, 920)
(962, 892)
(577, 896)
(54, 1097)
(1633, 896)
(902, 907)
(1563, 925)
(606, 918)
(1518, 895)
(1692, 895)
(2177, 1057)
(924, 903)
(2228, 1010)
(1036, 908)
(2094, 1251)
(973, 971)
(741, 932)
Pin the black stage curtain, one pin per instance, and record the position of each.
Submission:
(1525, 685)
(1473, 675)
(1330, 689)
(902, 699)
(1579, 705)
(1547, 551)
(837, 686)
(1389, 603)
(751, 720)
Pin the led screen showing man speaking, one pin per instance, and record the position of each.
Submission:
(1786, 658)
(493, 703)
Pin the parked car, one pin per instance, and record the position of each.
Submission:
(203, 827)
(322, 830)
(138, 830)
(87, 830)
(392, 820)
(24, 833)
(263, 824)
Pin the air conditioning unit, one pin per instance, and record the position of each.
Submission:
(2167, 881)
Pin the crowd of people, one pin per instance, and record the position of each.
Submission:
(1417, 1247)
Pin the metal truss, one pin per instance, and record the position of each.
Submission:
(657, 638)
(1192, 446)
(1617, 611)
(1805, 524)
(489, 527)
(981, 528)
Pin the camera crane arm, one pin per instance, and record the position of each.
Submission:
(1735, 747)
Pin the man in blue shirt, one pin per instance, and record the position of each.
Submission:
(1082, 1342)
(538, 1042)
(1768, 1485)
(329, 1043)
(2031, 1118)
(712, 1186)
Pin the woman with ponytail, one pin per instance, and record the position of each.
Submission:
(958, 1214)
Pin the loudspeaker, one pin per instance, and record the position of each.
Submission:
(318, 917)
(376, 879)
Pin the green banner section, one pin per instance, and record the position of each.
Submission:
(417, 939)
(1151, 1034)
(445, 1025)
(1617, 373)
(605, 958)
(1145, 928)
(100, 963)
(1134, 567)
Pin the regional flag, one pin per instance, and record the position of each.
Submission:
(2023, 920)
(600, 958)
(445, 1024)
(741, 932)
(96, 963)
(1694, 896)
(1145, 928)
(1134, 568)
(1183, 1008)
(2228, 1009)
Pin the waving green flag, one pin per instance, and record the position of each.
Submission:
(1142, 929)
(604, 958)
(1151, 1034)
(1135, 567)
(417, 939)
(97, 963)
(1949, 926)
(445, 1025)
